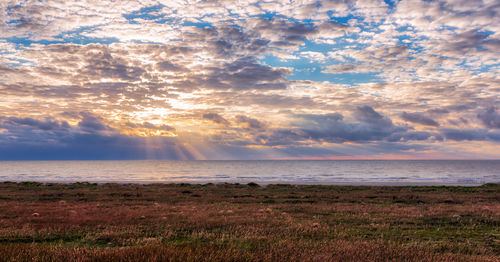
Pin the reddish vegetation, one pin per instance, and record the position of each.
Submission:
(228, 222)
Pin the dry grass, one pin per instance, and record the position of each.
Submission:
(231, 222)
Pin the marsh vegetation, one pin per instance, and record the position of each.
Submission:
(233, 222)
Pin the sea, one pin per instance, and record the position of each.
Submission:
(326, 172)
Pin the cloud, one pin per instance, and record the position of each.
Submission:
(368, 115)
(414, 136)
(169, 66)
(490, 118)
(419, 119)
(216, 118)
(470, 134)
(332, 128)
(246, 73)
(102, 64)
(285, 33)
(158, 127)
(46, 125)
(91, 124)
(27, 138)
(249, 77)
(248, 122)
(96, 146)
(313, 56)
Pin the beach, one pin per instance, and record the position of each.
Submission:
(247, 222)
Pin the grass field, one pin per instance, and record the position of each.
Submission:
(232, 222)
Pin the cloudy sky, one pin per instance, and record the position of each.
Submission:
(172, 79)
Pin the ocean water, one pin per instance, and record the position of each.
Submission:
(356, 172)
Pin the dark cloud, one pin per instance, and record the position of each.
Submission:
(340, 131)
(158, 127)
(102, 63)
(471, 40)
(368, 115)
(372, 127)
(388, 53)
(258, 45)
(470, 134)
(284, 33)
(288, 137)
(490, 118)
(229, 98)
(46, 125)
(169, 66)
(216, 118)
(223, 48)
(460, 135)
(229, 41)
(459, 121)
(287, 30)
(419, 119)
(332, 128)
(340, 68)
(245, 73)
(463, 106)
(27, 138)
(90, 123)
(416, 136)
(150, 126)
(438, 111)
(249, 122)
(95, 147)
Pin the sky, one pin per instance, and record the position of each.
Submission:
(257, 79)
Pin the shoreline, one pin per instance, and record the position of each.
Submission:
(260, 183)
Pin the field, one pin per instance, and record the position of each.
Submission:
(233, 222)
